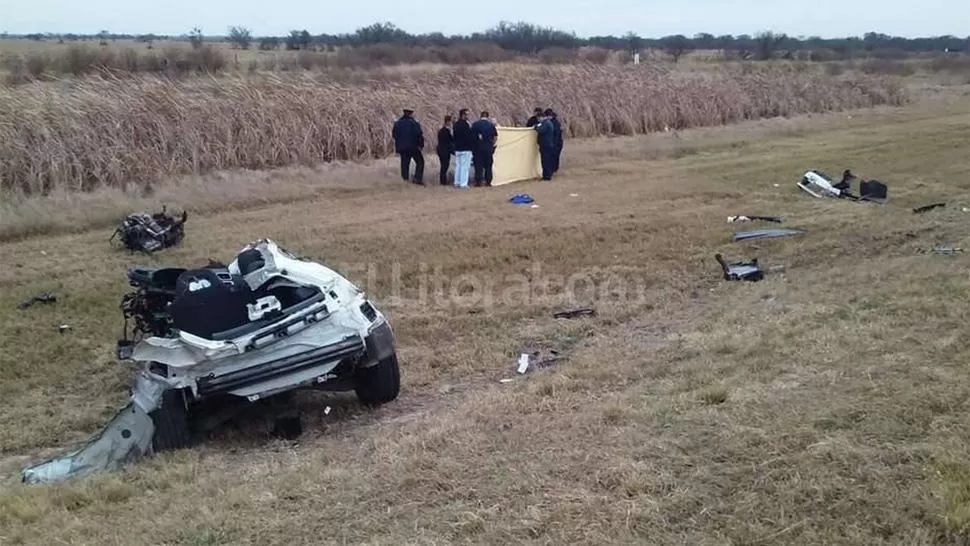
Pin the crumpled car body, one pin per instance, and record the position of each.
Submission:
(143, 232)
(266, 324)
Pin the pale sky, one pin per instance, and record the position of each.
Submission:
(648, 18)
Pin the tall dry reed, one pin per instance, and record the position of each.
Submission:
(79, 134)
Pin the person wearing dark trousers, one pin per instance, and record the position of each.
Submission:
(446, 148)
(408, 142)
(547, 145)
(534, 120)
(486, 135)
(557, 140)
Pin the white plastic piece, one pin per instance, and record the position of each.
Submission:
(523, 363)
(262, 306)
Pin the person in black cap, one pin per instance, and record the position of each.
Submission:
(446, 148)
(534, 120)
(408, 142)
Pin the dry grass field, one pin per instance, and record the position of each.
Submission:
(824, 405)
(80, 134)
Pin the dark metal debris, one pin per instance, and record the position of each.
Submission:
(920, 210)
(44, 297)
(575, 313)
(940, 249)
(740, 271)
(765, 234)
(752, 217)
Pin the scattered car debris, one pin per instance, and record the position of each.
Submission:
(521, 199)
(536, 360)
(63, 328)
(267, 324)
(573, 195)
(43, 297)
(820, 185)
(765, 234)
(126, 438)
(940, 249)
(149, 233)
(874, 191)
(740, 271)
(575, 313)
(926, 208)
(752, 217)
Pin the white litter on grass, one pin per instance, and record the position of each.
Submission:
(523, 363)
(326, 411)
(573, 195)
(534, 207)
(505, 380)
(777, 185)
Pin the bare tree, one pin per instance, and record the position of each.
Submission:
(676, 46)
(240, 37)
(768, 43)
(195, 38)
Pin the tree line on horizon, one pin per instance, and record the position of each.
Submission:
(530, 39)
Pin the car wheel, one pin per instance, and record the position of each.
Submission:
(171, 422)
(380, 383)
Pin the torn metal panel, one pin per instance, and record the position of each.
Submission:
(740, 271)
(765, 234)
(126, 438)
(941, 249)
(752, 217)
(926, 208)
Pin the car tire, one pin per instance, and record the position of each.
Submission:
(171, 422)
(380, 383)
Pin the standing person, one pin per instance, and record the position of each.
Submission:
(557, 140)
(547, 144)
(534, 120)
(464, 146)
(446, 148)
(408, 142)
(487, 135)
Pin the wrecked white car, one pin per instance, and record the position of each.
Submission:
(266, 324)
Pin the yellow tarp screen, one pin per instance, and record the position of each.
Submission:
(516, 156)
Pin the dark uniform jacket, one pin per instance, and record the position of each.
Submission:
(408, 135)
(486, 133)
(547, 135)
(446, 142)
(556, 133)
(464, 137)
